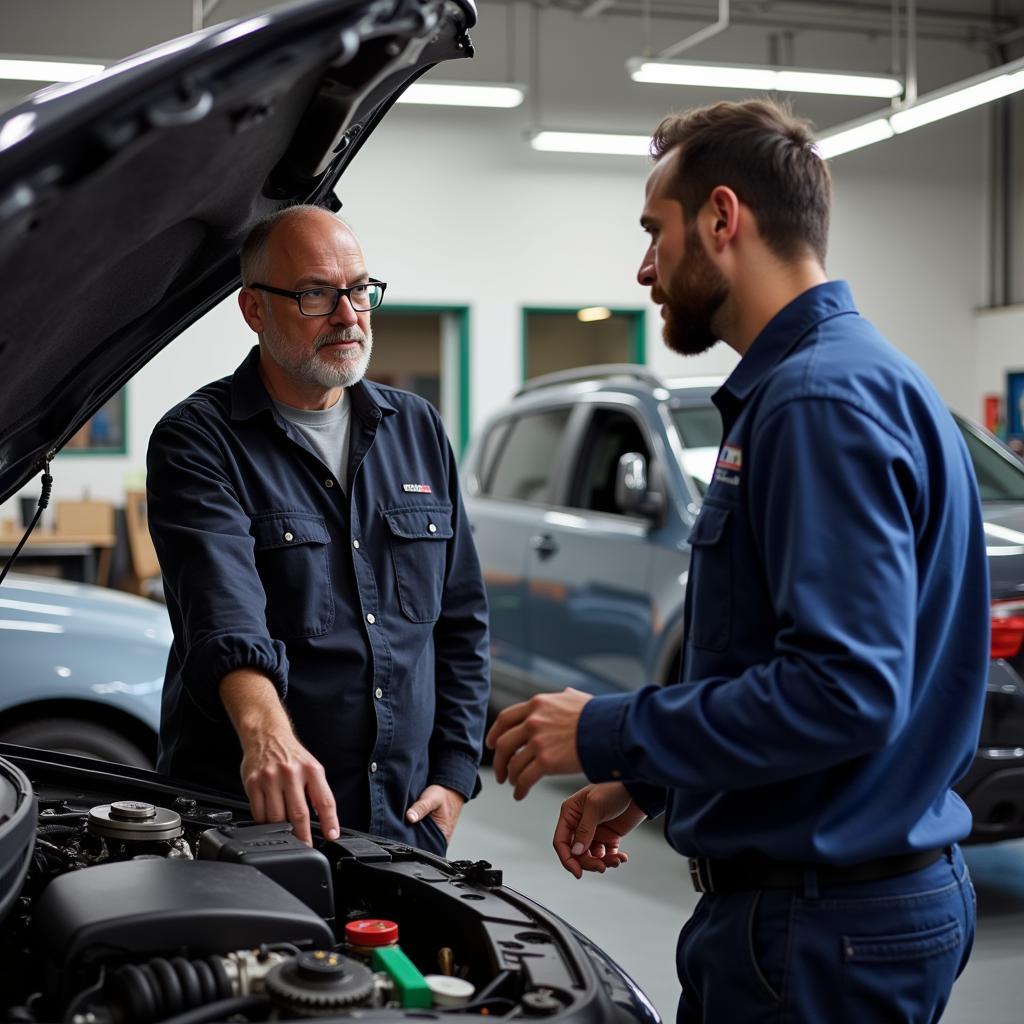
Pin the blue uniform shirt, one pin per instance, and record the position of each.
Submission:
(368, 613)
(837, 620)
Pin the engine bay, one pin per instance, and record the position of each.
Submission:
(137, 901)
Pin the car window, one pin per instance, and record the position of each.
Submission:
(489, 449)
(1000, 475)
(611, 434)
(523, 469)
(700, 430)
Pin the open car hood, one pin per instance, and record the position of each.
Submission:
(124, 198)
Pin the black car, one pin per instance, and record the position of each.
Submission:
(125, 897)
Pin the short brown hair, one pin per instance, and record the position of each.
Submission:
(766, 155)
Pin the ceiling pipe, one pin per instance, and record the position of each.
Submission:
(698, 37)
(910, 81)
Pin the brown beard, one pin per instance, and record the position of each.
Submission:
(694, 296)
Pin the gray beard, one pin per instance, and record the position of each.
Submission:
(330, 371)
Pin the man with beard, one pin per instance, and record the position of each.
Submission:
(836, 623)
(330, 623)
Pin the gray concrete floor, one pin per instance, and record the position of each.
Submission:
(635, 912)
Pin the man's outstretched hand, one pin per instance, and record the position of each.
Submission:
(537, 738)
(591, 825)
(280, 776)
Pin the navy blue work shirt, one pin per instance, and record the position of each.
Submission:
(367, 612)
(837, 620)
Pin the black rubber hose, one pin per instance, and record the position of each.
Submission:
(150, 992)
(219, 1010)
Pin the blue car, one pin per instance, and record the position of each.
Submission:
(82, 669)
(582, 493)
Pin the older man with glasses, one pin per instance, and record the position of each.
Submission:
(330, 621)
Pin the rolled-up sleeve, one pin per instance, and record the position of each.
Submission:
(462, 673)
(202, 538)
(832, 494)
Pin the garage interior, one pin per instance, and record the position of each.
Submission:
(505, 261)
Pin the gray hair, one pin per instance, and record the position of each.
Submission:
(253, 254)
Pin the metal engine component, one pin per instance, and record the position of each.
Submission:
(134, 820)
(320, 982)
(247, 969)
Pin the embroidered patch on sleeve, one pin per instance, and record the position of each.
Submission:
(417, 488)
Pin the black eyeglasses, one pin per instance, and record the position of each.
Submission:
(324, 301)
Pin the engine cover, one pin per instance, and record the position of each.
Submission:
(149, 907)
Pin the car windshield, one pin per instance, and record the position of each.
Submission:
(700, 430)
(1000, 474)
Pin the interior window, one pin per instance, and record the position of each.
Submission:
(611, 435)
(524, 464)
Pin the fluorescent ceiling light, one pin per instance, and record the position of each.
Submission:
(25, 70)
(767, 79)
(927, 111)
(592, 142)
(953, 99)
(591, 314)
(853, 138)
(456, 94)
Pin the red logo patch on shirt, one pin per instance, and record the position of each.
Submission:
(730, 462)
(417, 488)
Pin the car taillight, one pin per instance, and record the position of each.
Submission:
(1007, 628)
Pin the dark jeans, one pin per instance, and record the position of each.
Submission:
(885, 951)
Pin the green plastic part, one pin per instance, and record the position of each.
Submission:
(412, 988)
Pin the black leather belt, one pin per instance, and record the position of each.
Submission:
(749, 873)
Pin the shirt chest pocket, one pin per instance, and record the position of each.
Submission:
(293, 561)
(418, 537)
(710, 579)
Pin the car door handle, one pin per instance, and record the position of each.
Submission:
(544, 544)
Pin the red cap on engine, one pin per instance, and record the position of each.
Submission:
(371, 931)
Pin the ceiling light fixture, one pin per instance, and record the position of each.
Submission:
(591, 142)
(762, 78)
(952, 99)
(33, 69)
(592, 314)
(463, 94)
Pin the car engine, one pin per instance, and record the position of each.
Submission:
(128, 899)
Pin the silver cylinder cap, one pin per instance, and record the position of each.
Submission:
(134, 820)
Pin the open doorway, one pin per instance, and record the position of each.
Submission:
(560, 339)
(425, 349)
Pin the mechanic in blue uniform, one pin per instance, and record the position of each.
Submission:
(836, 623)
(330, 622)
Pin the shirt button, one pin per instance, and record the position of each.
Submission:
(371, 618)
(616, 774)
(355, 544)
(373, 766)
(289, 537)
(432, 528)
(378, 693)
(328, 482)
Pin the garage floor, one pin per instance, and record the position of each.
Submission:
(635, 912)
